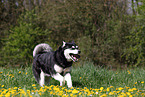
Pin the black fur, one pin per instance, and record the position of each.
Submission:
(54, 63)
(46, 61)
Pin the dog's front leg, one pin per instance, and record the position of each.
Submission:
(58, 77)
(68, 79)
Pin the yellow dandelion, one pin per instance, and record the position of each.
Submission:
(130, 90)
(75, 91)
(15, 88)
(104, 95)
(120, 88)
(128, 93)
(142, 82)
(80, 93)
(2, 86)
(33, 85)
(40, 94)
(111, 87)
(130, 96)
(71, 95)
(19, 71)
(51, 92)
(129, 72)
(134, 89)
(108, 89)
(135, 83)
(101, 88)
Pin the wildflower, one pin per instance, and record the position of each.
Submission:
(120, 88)
(134, 89)
(19, 71)
(2, 86)
(7, 94)
(128, 93)
(130, 90)
(142, 82)
(129, 72)
(15, 88)
(135, 83)
(33, 85)
(101, 88)
(111, 93)
(111, 87)
(75, 91)
(104, 95)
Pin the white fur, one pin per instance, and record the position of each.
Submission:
(68, 51)
(63, 44)
(58, 68)
(67, 77)
(58, 77)
(42, 78)
(41, 47)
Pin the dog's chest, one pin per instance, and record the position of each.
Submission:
(60, 69)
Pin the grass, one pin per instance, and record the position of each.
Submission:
(88, 80)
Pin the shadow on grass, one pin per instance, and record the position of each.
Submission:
(77, 84)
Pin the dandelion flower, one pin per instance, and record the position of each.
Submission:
(2, 86)
(142, 82)
(101, 88)
(33, 85)
(75, 91)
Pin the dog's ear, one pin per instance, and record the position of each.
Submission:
(63, 44)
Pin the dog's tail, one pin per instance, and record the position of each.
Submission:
(41, 48)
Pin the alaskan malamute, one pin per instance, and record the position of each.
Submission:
(56, 64)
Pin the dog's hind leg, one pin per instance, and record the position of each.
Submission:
(36, 73)
(42, 78)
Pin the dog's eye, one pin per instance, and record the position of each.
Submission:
(73, 47)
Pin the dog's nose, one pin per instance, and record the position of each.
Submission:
(79, 51)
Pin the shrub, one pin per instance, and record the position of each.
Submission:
(21, 41)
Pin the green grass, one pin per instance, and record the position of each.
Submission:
(87, 75)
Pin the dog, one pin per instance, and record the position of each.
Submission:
(56, 64)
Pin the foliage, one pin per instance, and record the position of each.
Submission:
(20, 43)
(103, 29)
(135, 53)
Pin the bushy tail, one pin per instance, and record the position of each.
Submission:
(43, 47)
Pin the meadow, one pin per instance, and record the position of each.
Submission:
(88, 80)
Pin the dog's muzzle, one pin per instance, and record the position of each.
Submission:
(75, 57)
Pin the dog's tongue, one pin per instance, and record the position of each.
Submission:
(75, 57)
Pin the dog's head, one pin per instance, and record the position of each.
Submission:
(71, 51)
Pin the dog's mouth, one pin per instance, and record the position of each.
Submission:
(75, 57)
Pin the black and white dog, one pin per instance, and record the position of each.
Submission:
(56, 64)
